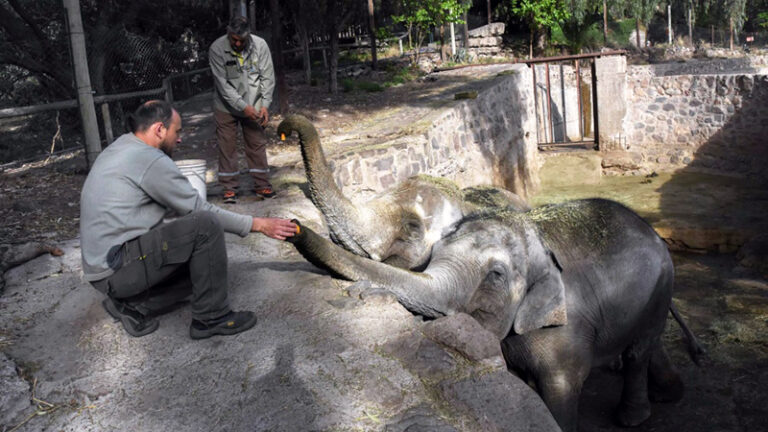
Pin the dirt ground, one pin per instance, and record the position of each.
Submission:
(726, 309)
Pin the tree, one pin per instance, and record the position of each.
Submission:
(337, 14)
(277, 55)
(642, 11)
(540, 14)
(372, 33)
(425, 14)
(304, 19)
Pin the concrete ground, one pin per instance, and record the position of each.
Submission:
(323, 358)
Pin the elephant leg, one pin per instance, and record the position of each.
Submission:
(558, 367)
(664, 383)
(560, 386)
(635, 407)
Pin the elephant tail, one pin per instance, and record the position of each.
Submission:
(695, 350)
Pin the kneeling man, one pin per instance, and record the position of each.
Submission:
(144, 265)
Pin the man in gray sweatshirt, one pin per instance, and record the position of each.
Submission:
(144, 265)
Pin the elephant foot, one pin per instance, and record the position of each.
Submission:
(629, 415)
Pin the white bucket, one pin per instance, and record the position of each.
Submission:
(194, 170)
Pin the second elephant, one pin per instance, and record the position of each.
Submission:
(565, 288)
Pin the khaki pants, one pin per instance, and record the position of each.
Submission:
(255, 150)
(185, 259)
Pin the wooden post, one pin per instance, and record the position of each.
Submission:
(107, 120)
(730, 34)
(690, 26)
(712, 35)
(83, 80)
(669, 24)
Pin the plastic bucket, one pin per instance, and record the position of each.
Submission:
(194, 171)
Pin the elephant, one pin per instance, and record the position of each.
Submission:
(565, 288)
(400, 226)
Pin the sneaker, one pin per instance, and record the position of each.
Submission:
(229, 197)
(266, 192)
(134, 322)
(229, 324)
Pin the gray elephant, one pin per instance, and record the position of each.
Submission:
(400, 226)
(564, 287)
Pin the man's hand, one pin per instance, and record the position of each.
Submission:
(264, 116)
(278, 229)
(251, 113)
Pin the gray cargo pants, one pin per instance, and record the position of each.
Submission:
(167, 264)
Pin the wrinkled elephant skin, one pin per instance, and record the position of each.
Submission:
(565, 288)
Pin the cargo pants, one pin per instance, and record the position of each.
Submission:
(185, 259)
(255, 150)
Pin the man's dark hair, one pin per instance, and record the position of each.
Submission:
(149, 113)
(238, 26)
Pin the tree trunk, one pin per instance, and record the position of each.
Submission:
(530, 44)
(305, 57)
(465, 31)
(488, 2)
(277, 57)
(605, 23)
(372, 33)
(443, 44)
(332, 20)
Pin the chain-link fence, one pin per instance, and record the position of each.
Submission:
(121, 64)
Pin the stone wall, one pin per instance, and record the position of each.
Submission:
(715, 123)
(487, 140)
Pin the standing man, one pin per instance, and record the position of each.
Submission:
(143, 265)
(243, 80)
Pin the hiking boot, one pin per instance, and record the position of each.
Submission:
(229, 324)
(229, 197)
(266, 192)
(134, 322)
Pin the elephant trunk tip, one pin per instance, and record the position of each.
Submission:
(301, 232)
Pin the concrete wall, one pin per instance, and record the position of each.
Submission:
(487, 140)
(717, 123)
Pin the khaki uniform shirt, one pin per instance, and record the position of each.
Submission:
(241, 79)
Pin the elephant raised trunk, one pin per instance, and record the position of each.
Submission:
(349, 225)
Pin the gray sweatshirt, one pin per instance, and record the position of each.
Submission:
(129, 190)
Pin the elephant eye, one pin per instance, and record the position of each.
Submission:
(497, 273)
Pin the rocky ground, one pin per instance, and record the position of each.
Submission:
(321, 357)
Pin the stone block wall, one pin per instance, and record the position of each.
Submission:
(487, 140)
(717, 123)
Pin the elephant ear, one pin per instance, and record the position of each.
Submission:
(544, 302)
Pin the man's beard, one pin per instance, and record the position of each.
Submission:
(167, 148)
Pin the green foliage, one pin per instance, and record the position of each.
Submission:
(420, 15)
(431, 13)
(541, 13)
(349, 85)
(620, 31)
(401, 75)
(762, 19)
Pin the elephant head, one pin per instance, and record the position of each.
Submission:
(492, 267)
(398, 227)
